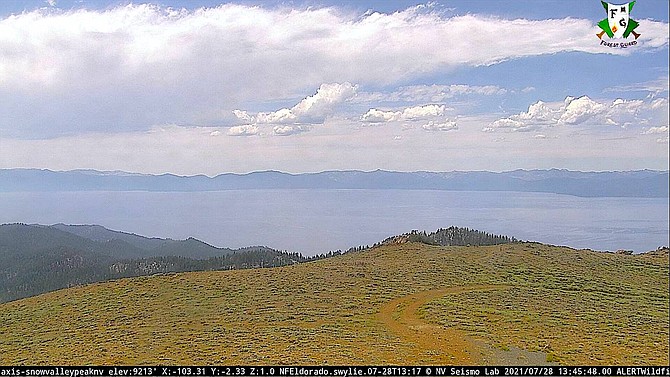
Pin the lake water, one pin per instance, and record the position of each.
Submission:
(314, 221)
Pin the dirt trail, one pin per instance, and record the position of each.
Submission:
(444, 345)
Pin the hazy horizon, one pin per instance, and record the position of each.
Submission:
(329, 171)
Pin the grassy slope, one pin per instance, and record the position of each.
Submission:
(580, 307)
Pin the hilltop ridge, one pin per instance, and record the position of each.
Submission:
(36, 258)
(451, 236)
(395, 304)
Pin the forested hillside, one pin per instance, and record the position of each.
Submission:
(35, 259)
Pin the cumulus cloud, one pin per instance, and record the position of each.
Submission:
(378, 116)
(538, 111)
(279, 116)
(578, 110)
(243, 116)
(312, 109)
(127, 67)
(243, 130)
(440, 126)
(656, 130)
(508, 124)
(432, 116)
(407, 114)
(584, 110)
(289, 130)
(422, 112)
(322, 103)
(538, 114)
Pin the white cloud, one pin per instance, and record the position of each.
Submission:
(581, 109)
(289, 130)
(128, 67)
(422, 112)
(432, 116)
(538, 114)
(509, 124)
(584, 110)
(656, 130)
(659, 103)
(243, 116)
(322, 103)
(408, 114)
(279, 116)
(312, 109)
(440, 126)
(244, 130)
(378, 116)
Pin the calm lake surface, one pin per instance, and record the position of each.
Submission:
(314, 221)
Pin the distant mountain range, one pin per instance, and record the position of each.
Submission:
(639, 183)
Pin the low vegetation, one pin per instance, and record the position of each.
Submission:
(368, 307)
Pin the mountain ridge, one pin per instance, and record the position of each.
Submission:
(634, 183)
(37, 258)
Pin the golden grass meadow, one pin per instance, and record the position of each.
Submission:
(395, 304)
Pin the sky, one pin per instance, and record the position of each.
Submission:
(206, 87)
